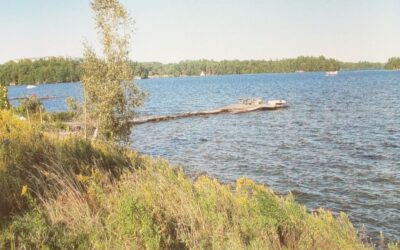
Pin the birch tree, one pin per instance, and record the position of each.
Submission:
(110, 93)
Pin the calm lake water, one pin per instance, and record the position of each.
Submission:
(337, 146)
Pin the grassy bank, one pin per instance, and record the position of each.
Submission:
(70, 193)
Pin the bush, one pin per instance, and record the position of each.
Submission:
(33, 231)
(72, 105)
(59, 116)
(3, 98)
(30, 105)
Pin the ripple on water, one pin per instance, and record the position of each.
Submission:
(334, 147)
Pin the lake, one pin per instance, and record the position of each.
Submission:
(337, 146)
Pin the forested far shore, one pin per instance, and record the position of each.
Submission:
(60, 69)
(44, 70)
(393, 64)
(210, 67)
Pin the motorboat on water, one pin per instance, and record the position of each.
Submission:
(331, 73)
(31, 86)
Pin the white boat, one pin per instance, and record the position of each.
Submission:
(31, 86)
(331, 73)
(278, 103)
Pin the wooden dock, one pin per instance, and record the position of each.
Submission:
(242, 107)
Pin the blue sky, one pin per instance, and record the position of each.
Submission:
(174, 30)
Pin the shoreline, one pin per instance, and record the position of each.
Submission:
(216, 75)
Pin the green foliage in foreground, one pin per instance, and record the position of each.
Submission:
(30, 105)
(72, 194)
(4, 104)
(393, 63)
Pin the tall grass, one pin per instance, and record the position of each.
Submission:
(82, 195)
(28, 157)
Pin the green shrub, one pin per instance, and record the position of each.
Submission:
(3, 98)
(33, 230)
(72, 105)
(30, 105)
(59, 116)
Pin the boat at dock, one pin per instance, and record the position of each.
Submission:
(278, 103)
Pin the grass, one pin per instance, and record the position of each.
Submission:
(74, 194)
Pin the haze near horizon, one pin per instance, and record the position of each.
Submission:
(178, 30)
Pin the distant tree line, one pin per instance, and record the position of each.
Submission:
(210, 67)
(50, 70)
(360, 65)
(393, 63)
(58, 69)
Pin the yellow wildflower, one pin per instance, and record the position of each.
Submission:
(24, 190)
(81, 178)
(45, 173)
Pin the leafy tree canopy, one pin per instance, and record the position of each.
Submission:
(45, 70)
(393, 63)
(110, 94)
